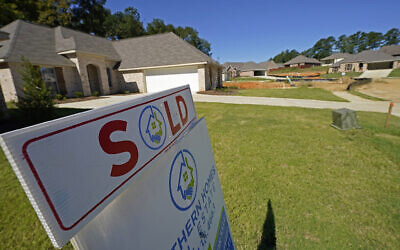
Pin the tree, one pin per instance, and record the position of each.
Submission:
(374, 40)
(37, 102)
(89, 16)
(285, 56)
(322, 48)
(188, 34)
(11, 10)
(158, 26)
(55, 12)
(124, 24)
(392, 37)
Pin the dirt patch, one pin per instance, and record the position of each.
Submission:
(256, 85)
(386, 88)
(80, 99)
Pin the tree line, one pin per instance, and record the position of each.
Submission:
(91, 16)
(352, 44)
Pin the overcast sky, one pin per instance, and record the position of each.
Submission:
(255, 30)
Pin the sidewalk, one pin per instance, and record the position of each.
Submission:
(356, 103)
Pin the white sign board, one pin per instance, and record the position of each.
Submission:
(176, 204)
(71, 168)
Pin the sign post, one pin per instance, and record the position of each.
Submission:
(79, 171)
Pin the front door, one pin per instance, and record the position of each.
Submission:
(93, 76)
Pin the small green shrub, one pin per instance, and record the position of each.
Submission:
(36, 104)
(127, 92)
(59, 96)
(78, 94)
(95, 93)
(64, 98)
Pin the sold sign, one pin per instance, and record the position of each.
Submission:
(71, 168)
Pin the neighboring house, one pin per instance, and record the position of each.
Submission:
(302, 61)
(366, 60)
(393, 50)
(72, 61)
(3, 107)
(334, 58)
(248, 69)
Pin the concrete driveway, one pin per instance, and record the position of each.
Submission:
(356, 103)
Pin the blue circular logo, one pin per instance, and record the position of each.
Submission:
(183, 180)
(152, 127)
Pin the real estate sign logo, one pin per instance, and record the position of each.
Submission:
(152, 127)
(183, 180)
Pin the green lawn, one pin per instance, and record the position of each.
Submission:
(395, 73)
(339, 75)
(296, 93)
(293, 69)
(328, 189)
(372, 98)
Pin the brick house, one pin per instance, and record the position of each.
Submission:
(72, 61)
(302, 61)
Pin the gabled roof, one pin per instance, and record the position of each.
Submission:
(158, 50)
(68, 39)
(249, 66)
(368, 56)
(34, 42)
(393, 50)
(336, 56)
(302, 59)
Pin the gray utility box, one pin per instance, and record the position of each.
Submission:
(344, 119)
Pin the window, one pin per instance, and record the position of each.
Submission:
(109, 77)
(49, 77)
(349, 67)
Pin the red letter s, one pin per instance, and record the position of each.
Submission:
(111, 147)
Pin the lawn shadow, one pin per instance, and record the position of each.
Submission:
(268, 238)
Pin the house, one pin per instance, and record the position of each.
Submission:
(334, 58)
(393, 50)
(3, 107)
(366, 60)
(72, 61)
(302, 61)
(248, 69)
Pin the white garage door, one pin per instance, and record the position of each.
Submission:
(162, 79)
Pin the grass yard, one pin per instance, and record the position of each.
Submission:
(362, 95)
(339, 75)
(395, 73)
(327, 189)
(296, 93)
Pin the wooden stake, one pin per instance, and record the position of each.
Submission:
(388, 114)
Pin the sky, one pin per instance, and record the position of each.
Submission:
(256, 30)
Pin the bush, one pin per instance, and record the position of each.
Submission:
(78, 94)
(59, 97)
(37, 102)
(127, 92)
(95, 93)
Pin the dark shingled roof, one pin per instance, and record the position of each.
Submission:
(336, 56)
(302, 59)
(368, 56)
(393, 50)
(34, 42)
(158, 50)
(67, 39)
(248, 66)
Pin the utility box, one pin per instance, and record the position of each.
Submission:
(344, 119)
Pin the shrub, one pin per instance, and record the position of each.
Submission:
(37, 102)
(127, 92)
(95, 93)
(59, 97)
(78, 94)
